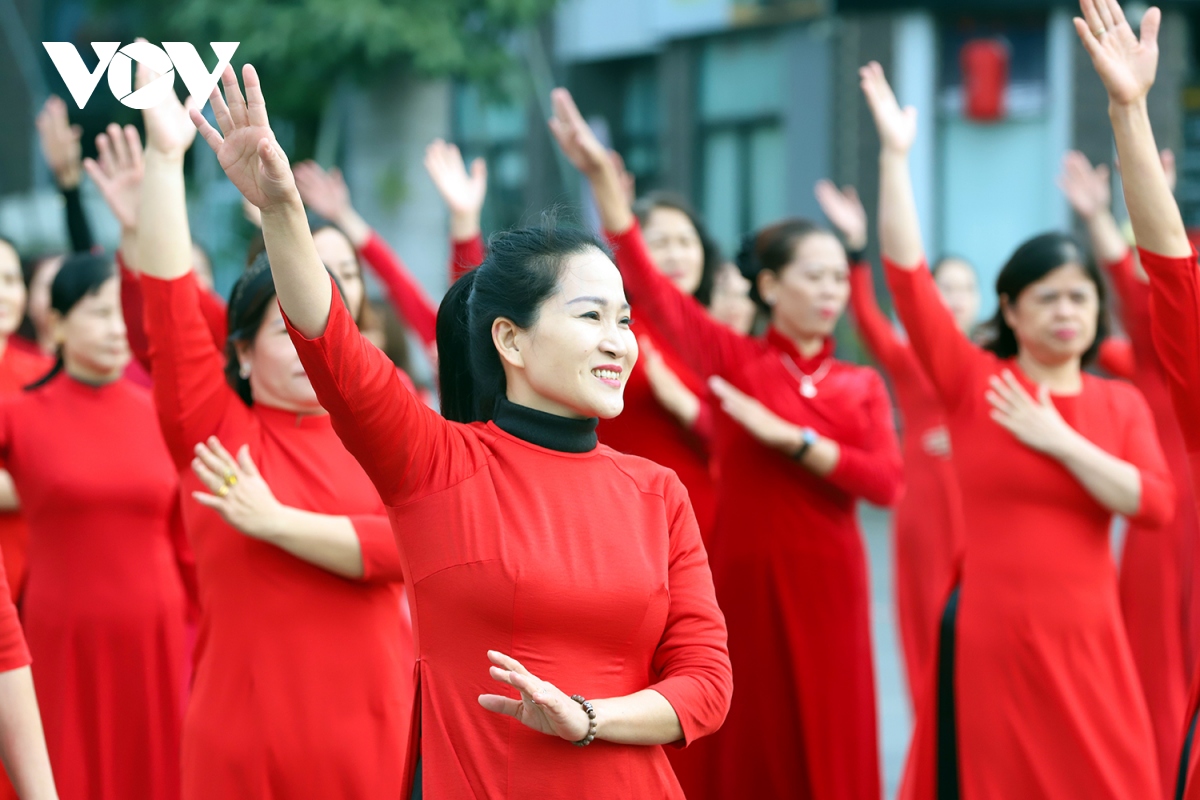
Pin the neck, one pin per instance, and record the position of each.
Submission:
(809, 344)
(90, 376)
(522, 395)
(48, 346)
(1064, 378)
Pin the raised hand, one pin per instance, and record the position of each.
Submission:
(168, 129)
(60, 142)
(628, 181)
(1088, 189)
(1126, 64)
(575, 137)
(325, 192)
(245, 146)
(543, 706)
(845, 211)
(463, 191)
(118, 173)
(236, 489)
(897, 126)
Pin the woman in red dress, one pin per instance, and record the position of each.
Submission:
(303, 665)
(665, 418)
(928, 520)
(104, 603)
(1127, 65)
(1036, 692)
(521, 538)
(1155, 560)
(803, 437)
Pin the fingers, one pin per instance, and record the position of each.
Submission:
(105, 151)
(207, 132)
(212, 481)
(133, 145)
(220, 111)
(215, 463)
(1104, 12)
(1116, 13)
(220, 452)
(120, 149)
(1151, 22)
(274, 165)
(507, 662)
(209, 500)
(246, 462)
(256, 104)
(479, 172)
(233, 97)
(1086, 30)
(500, 704)
(565, 108)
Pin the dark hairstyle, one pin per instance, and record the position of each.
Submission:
(29, 268)
(523, 267)
(772, 248)
(252, 295)
(81, 275)
(1032, 261)
(256, 246)
(645, 206)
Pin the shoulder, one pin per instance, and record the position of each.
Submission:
(646, 476)
(27, 365)
(1119, 394)
(859, 377)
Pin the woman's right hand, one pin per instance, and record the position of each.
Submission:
(845, 210)
(897, 126)
(1126, 64)
(575, 137)
(118, 173)
(246, 146)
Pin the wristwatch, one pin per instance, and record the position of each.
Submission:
(808, 437)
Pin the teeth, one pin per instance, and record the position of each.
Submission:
(606, 374)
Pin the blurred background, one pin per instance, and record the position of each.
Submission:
(740, 105)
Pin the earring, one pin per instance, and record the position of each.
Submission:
(244, 370)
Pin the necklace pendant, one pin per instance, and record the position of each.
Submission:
(807, 387)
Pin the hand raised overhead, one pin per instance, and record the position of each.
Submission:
(245, 145)
(1126, 64)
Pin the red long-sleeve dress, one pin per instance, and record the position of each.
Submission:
(787, 555)
(19, 367)
(1175, 327)
(303, 679)
(1045, 693)
(928, 522)
(1153, 567)
(583, 563)
(104, 604)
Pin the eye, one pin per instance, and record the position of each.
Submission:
(592, 315)
(627, 321)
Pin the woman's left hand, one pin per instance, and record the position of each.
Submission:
(543, 706)
(239, 493)
(1035, 422)
(762, 423)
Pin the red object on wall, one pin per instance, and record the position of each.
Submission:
(984, 64)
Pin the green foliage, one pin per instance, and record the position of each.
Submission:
(304, 48)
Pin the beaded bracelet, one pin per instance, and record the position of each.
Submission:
(591, 712)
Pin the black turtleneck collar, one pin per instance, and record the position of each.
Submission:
(545, 430)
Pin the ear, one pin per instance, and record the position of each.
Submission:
(768, 286)
(245, 352)
(507, 338)
(58, 327)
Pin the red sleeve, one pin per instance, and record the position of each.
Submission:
(943, 350)
(190, 391)
(875, 472)
(14, 653)
(706, 345)
(876, 330)
(705, 424)
(1117, 359)
(131, 308)
(212, 306)
(405, 447)
(407, 296)
(380, 555)
(465, 255)
(692, 658)
(1175, 325)
(1143, 450)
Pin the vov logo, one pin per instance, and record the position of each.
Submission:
(119, 60)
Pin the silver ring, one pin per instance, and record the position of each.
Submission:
(1101, 33)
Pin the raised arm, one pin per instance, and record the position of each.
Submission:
(60, 147)
(1089, 191)
(944, 351)
(709, 347)
(326, 193)
(464, 193)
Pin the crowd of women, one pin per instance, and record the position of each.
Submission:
(246, 558)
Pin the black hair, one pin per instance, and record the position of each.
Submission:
(712, 253)
(772, 248)
(81, 275)
(1034, 260)
(249, 300)
(522, 269)
(29, 268)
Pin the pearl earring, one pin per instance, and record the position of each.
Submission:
(244, 370)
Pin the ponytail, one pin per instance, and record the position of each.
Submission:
(456, 386)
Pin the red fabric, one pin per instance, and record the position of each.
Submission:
(103, 605)
(212, 306)
(19, 367)
(408, 297)
(1175, 328)
(787, 557)
(1156, 560)
(928, 522)
(465, 255)
(303, 679)
(1117, 359)
(1048, 699)
(586, 567)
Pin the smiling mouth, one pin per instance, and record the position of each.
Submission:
(609, 376)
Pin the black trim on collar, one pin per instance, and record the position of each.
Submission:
(545, 430)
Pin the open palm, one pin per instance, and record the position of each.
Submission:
(575, 137)
(1127, 65)
(897, 126)
(245, 146)
(463, 191)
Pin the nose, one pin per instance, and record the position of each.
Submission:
(614, 344)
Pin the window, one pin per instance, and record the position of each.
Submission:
(495, 130)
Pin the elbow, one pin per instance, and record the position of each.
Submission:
(1155, 506)
(889, 489)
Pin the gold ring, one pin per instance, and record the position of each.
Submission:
(230, 479)
(222, 490)
(1100, 33)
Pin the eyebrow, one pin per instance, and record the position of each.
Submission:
(600, 301)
